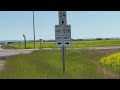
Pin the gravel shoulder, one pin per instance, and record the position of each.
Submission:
(13, 52)
(6, 53)
(2, 62)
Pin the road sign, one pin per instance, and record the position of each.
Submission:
(67, 43)
(63, 35)
(63, 43)
(59, 44)
(62, 18)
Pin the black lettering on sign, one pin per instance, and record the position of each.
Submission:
(65, 37)
(62, 15)
(58, 31)
(59, 38)
(59, 43)
(62, 22)
(67, 43)
(66, 31)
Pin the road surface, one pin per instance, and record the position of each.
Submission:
(5, 53)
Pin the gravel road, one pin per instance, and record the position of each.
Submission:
(14, 52)
(5, 53)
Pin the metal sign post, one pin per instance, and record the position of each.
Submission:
(63, 34)
(63, 58)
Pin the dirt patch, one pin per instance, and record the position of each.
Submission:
(2, 58)
(2, 63)
(112, 75)
(107, 73)
(5, 53)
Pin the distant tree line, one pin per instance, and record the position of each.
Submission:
(9, 42)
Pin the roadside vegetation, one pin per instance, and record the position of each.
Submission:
(112, 62)
(75, 44)
(47, 64)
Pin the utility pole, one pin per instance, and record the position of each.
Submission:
(40, 43)
(24, 40)
(33, 29)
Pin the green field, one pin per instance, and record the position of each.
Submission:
(47, 64)
(75, 44)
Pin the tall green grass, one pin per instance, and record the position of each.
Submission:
(47, 64)
(96, 43)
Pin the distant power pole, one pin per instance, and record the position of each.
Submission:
(24, 40)
(19, 44)
(33, 29)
